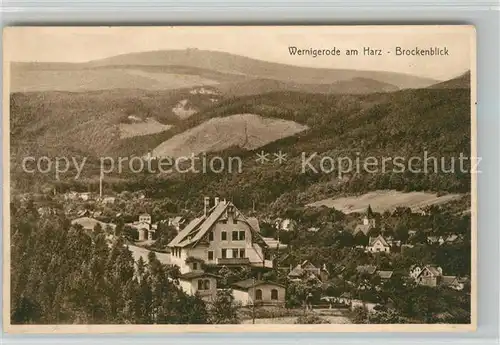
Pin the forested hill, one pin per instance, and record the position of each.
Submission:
(406, 123)
(403, 124)
(461, 82)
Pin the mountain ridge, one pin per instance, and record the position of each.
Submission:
(211, 67)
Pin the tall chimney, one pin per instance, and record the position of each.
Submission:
(216, 199)
(100, 185)
(206, 202)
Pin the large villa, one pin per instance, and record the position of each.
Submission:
(221, 237)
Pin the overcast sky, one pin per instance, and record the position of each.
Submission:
(62, 44)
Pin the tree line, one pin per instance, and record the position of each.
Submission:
(64, 274)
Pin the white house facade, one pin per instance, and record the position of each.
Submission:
(222, 236)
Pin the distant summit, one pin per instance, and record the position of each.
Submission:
(240, 65)
(175, 69)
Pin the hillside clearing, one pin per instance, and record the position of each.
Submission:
(183, 109)
(383, 200)
(248, 131)
(149, 126)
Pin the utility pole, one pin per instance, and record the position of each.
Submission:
(253, 301)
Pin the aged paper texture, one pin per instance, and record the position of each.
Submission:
(239, 179)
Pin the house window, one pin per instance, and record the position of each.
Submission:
(258, 295)
(235, 221)
(203, 284)
(224, 253)
(274, 294)
(223, 236)
(242, 253)
(235, 253)
(195, 265)
(210, 255)
(238, 235)
(211, 236)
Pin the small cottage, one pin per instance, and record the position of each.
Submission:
(378, 244)
(251, 291)
(199, 282)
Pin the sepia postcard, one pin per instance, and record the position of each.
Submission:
(239, 179)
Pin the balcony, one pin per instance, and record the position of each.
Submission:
(233, 261)
(204, 293)
(265, 263)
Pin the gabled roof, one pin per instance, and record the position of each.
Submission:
(193, 225)
(370, 269)
(254, 223)
(198, 227)
(194, 275)
(249, 283)
(297, 271)
(312, 276)
(449, 280)
(363, 228)
(432, 269)
(452, 238)
(305, 266)
(177, 219)
(273, 243)
(385, 274)
(380, 238)
(339, 269)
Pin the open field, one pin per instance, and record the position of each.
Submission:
(383, 200)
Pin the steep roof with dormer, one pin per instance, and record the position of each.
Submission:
(433, 270)
(380, 238)
(200, 226)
